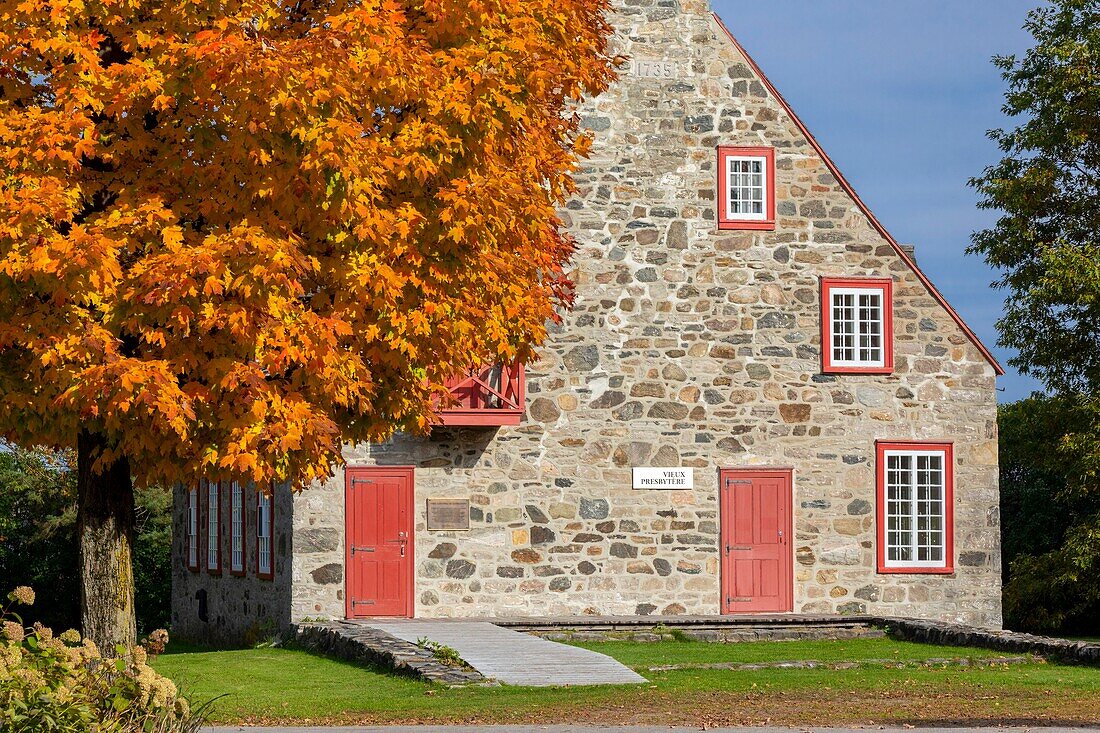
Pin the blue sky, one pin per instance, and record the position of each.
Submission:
(900, 94)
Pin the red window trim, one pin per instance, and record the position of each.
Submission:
(270, 574)
(827, 286)
(217, 568)
(192, 540)
(881, 446)
(244, 532)
(724, 220)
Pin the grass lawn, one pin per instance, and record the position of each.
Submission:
(288, 685)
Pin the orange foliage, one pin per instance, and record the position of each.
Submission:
(235, 234)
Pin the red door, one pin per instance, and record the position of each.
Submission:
(757, 568)
(379, 541)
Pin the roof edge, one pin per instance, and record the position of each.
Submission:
(859, 202)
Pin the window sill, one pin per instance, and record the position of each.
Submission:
(751, 226)
(916, 571)
(830, 369)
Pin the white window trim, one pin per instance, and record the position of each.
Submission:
(944, 509)
(193, 527)
(728, 160)
(264, 549)
(213, 526)
(236, 529)
(879, 363)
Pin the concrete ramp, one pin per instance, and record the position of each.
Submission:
(511, 657)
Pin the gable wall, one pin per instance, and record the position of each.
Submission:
(694, 347)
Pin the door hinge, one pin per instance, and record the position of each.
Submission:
(355, 481)
(731, 481)
(739, 599)
(362, 603)
(355, 549)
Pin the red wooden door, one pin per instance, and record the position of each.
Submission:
(378, 510)
(757, 568)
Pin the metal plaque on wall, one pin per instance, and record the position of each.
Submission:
(448, 513)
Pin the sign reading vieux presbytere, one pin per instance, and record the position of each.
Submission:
(664, 478)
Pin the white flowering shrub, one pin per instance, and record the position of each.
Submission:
(62, 683)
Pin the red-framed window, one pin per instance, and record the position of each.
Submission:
(192, 548)
(915, 487)
(746, 188)
(236, 529)
(265, 516)
(857, 325)
(213, 506)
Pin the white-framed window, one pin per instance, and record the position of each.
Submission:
(236, 528)
(857, 318)
(746, 184)
(263, 533)
(915, 512)
(746, 188)
(213, 527)
(193, 528)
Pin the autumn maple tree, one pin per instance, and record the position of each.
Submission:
(235, 235)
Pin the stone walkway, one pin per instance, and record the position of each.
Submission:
(511, 657)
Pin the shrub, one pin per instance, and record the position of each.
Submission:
(62, 683)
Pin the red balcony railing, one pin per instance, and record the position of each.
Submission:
(486, 397)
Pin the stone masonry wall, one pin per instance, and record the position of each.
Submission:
(690, 346)
(238, 608)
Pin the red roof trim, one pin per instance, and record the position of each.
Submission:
(859, 202)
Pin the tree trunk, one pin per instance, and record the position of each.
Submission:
(105, 525)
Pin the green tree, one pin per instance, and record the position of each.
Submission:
(1051, 584)
(1047, 186)
(38, 542)
(1045, 246)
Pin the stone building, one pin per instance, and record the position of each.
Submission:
(758, 404)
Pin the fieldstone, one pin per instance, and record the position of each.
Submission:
(595, 508)
(859, 507)
(526, 556)
(330, 574)
(319, 539)
(622, 549)
(731, 445)
(674, 609)
(794, 413)
(630, 411)
(560, 583)
(460, 569)
(668, 411)
(851, 607)
(688, 567)
(509, 571)
(973, 558)
(561, 510)
(805, 555)
(644, 609)
(443, 551)
(608, 399)
(585, 568)
(846, 555)
(544, 410)
(535, 514)
(639, 567)
(662, 566)
(582, 358)
(634, 453)
(542, 535)
(868, 593)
